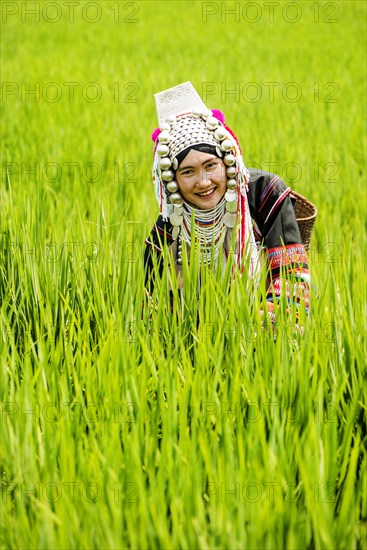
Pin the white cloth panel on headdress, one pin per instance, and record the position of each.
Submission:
(180, 99)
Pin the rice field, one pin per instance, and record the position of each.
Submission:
(131, 427)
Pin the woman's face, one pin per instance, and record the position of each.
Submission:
(202, 179)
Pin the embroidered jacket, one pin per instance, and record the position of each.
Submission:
(275, 228)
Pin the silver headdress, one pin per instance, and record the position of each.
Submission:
(184, 121)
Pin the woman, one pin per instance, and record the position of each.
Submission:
(203, 185)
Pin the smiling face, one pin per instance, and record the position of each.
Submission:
(202, 179)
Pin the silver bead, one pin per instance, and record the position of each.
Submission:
(176, 198)
(164, 127)
(179, 261)
(220, 133)
(170, 120)
(172, 186)
(167, 175)
(212, 122)
(226, 145)
(231, 184)
(162, 150)
(164, 137)
(219, 152)
(196, 112)
(164, 163)
(179, 247)
(206, 113)
(231, 172)
(175, 164)
(229, 160)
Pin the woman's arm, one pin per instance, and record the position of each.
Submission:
(273, 211)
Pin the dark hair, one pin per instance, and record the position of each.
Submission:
(202, 147)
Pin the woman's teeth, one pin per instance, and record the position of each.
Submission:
(206, 193)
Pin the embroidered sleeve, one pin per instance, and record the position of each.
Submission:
(273, 212)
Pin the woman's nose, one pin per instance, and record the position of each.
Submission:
(203, 179)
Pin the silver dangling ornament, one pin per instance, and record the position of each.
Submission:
(230, 195)
(229, 219)
(172, 186)
(226, 145)
(176, 198)
(231, 184)
(231, 201)
(231, 206)
(231, 172)
(179, 251)
(164, 163)
(175, 232)
(212, 123)
(220, 133)
(162, 150)
(167, 175)
(229, 160)
(175, 219)
(164, 137)
(178, 210)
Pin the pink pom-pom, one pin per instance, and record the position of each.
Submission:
(219, 115)
(155, 134)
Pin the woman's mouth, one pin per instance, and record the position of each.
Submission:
(206, 193)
